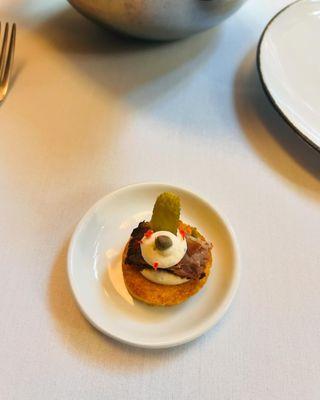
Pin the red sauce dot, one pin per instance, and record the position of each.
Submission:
(148, 233)
(182, 233)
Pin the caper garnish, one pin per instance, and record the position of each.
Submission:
(163, 242)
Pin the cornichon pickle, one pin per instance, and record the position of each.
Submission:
(166, 213)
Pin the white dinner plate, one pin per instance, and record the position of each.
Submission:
(289, 66)
(95, 272)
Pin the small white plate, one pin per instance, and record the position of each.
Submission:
(95, 273)
(289, 66)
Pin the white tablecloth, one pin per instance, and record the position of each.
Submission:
(88, 113)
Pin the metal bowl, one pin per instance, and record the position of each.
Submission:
(157, 19)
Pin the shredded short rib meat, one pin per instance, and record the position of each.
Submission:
(191, 266)
(134, 256)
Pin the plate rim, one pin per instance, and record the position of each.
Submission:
(272, 100)
(210, 322)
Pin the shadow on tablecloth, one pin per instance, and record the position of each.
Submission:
(270, 136)
(140, 71)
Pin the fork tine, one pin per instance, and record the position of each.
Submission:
(3, 51)
(9, 62)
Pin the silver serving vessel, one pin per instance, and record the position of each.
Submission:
(157, 19)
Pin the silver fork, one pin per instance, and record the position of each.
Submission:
(6, 58)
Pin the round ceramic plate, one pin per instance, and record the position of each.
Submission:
(95, 271)
(289, 66)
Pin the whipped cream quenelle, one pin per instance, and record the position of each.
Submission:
(163, 250)
(162, 277)
(163, 258)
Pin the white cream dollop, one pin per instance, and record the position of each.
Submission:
(163, 277)
(163, 258)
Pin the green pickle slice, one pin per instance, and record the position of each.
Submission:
(166, 213)
(194, 232)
